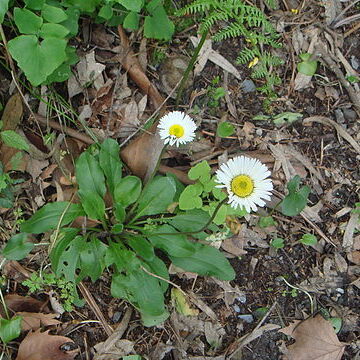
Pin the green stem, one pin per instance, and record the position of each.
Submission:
(190, 67)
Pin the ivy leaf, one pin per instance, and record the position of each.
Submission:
(131, 21)
(53, 14)
(52, 215)
(13, 139)
(4, 4)
(53, 30)
(34, 4)
(37, 60)
(10, 329)
(225, 129)
(158, 26)
(189, 198)
(17, 247)
(132, 5)
(308, 239)
(200, 171)
(296, 200)
(26, 21)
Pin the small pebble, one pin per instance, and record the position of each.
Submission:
(340, 290)
(350, 114)
(241, 298)
(236, 308)
(248, 318)
(116, 317)
(248, 86)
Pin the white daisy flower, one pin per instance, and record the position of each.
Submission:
(246, 182)
(176, 128)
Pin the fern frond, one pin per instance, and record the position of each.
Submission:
(233, 30)
(196, 7)
(247, 54)
(213, 18)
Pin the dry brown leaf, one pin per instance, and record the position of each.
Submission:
(17, 303)
(41, 346)
(14, 271)
(33, 321)
(315, 340)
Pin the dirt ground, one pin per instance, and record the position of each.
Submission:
(312, 147)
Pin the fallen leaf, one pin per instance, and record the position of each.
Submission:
(39, 346)
(315, 340)
(181, 303)
(17, 303)
(33, 321)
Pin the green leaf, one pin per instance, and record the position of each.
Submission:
(189, 198)
(225, 129)
(53, 14)
(17, 247)
(65, 256)
(296, 200)
(110, 163)
(34, 4)
(191, 220)
(127, 190)
(51, 216)
(200, 171)
(307, 67)
(121, 257)
(53, 30)
(266, 221)
(92, 187)
(286, 117)
(37, 60)
(156, 196)
(119, 212)
(132, 357)
(131, 21)
(106, 12)
(158, 267)
(144, 292)
(13, 139)
(181, 303)
(141, 246)
(132, 5)
(26, 21)
(92, 259)
(174, 245)
(158, 26)
(72, 21)
(277, 243)
(10, 329)
(4, 4)
(88, 6)
(117, 228)
(206, 261)
(308, 239)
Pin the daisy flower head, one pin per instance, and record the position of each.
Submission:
(246, 181)
(176, 128)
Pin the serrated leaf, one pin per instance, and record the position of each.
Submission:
(92, 187)
(53, 14)
(175, 244)
(26, 21)
(206, 261)
(127, 190)
(110, 163)
(131, 21)
(13, 139)
(10, 329)
(17, 247)
(266, 221)
(3, 9)
(156, 196)
(225, 129)
(53, 30)
(159, 26)
(37, 60)
(52, 215)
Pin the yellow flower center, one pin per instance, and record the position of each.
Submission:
(176, 130)
(242, 186)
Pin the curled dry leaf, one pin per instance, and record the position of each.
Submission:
(17, 303)
(315, 339)
(38, 345)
